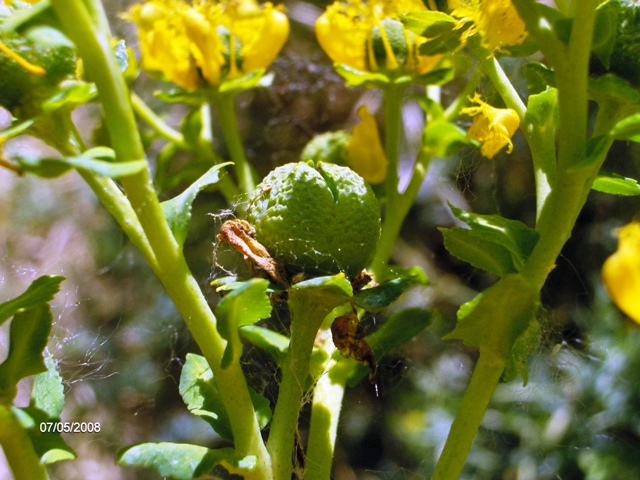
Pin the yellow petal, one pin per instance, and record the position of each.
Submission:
(262, 33)
(343, 32)
(206, 46)
(492, 127)
(500, 24)
(621, 272)
(365, 154)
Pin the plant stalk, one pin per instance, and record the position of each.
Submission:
(18, 449)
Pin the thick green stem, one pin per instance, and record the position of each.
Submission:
(325, 414)
(224, 104)
(168, 262)
(475, 401)
(18, 449)
(309, 307)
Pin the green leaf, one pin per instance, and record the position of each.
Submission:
(182, 461)
(376, 298)
(495, 319)
(397, 330)
(48, 392)
(616, 185)
(274, 343)
(91, 161)
(627, 129)
(358, 78)
(329, 286)
(437, 27)
(441, 138)
(538, 77)
(437, 76)
(243, 306)
(70, 94)
(201, 394)
(513, 235)
(255, 79)
(542, 110)
(610, 86)
(178, 209)
(49, 446)
(27, 338)
(39, 292)
(485, 255)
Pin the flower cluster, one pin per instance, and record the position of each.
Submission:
(208, 42)
(368, 36)
(621, 271)
(492, 127)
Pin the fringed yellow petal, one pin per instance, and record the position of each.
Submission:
(492, 127)
(365, 154)
(206, 46)
(501, 25)
(621, 272)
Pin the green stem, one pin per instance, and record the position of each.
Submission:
(202, 148)
(325, 414)
(224, 104)
(471, 411)
(170, 265)
(158, 125)
(391, 223)
(573, 183)
(18, 449)
(503, 85)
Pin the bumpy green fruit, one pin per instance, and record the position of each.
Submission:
(320, 220)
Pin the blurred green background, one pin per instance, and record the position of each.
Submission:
(120, 344)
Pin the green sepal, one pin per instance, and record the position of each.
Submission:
(245, 305)
(40, 291)
(201, 394)
(359, 78)
(47, 394)
(397, 330)
(182, 461)
(495, 320)
(178, 209)
(614, 184)
(496, 234)
(254, 79)
(98, 160)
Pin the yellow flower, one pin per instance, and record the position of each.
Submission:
(621, 272)
(209, 41)
(364, 153)
(492, 127)
(368, 36)
(497, 21)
